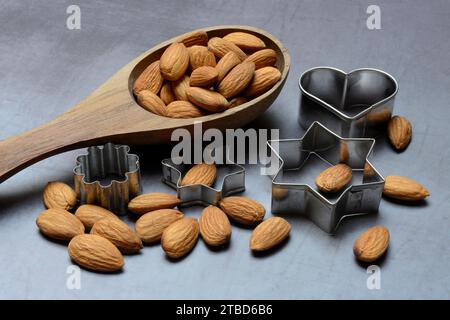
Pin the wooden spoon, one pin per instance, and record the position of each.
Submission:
(111, 114)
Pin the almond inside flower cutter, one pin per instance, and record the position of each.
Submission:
(301, 160)
(355, 104)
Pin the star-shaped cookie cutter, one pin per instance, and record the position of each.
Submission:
(303, 159)
(233, 181)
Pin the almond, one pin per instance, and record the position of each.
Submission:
(59, 195)
(201, 173)
(183, 110)
(245, 41)
(59, 224)
(180, 237)
(200, 56)
(119, 233)
(198, 37)
(179, 88)
(153, 201)
(166, 94)
(151, 225)
(334, 178)
(215, 227)
(206, 99)
(264, 79)
(228, 62)
(399, 132)
(151, 102)
(403, 188)
(95, 253)
(203, 77)
(237, 79)
(379, 116)
(174, 62)
(269, 233)
(371, 244)
(237, 102)
(150, 79)
(263, 58)
(243, 209)
(90, 214)
(221, 47)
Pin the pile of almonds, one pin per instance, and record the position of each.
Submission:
(109, 237)
(197, 75)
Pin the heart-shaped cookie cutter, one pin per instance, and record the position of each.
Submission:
(301, 160)
(354, 104)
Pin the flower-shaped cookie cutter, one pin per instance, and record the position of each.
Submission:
(232, 181)
(108, 176)
(301, 160)
(354, 104)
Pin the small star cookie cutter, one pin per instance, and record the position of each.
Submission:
(108, 176)
(301, 160)
(230, 180)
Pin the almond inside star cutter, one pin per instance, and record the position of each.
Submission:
(299, 161)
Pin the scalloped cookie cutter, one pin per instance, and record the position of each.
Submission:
(108, 176)
(301, 160)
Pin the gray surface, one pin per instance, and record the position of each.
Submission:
(46, 68)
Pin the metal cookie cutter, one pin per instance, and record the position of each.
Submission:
(108, 176)
(354, 104)
(231, 179)
(300, 161)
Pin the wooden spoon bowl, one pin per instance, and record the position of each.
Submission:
(111, 113)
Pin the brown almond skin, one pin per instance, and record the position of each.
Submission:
(180, 237)
(215, 228)
(228, 62)
(150, 79)
(245, 41)
(151, 102)
(95, 253)
(269, 234)
(402, 188)
(237, 102)
(183, 110)
(198, 37)
(151, 225)
(371, 244)
(59, 195)
(166, 94)
(399, 132)
(263, 80)
(174, 62)
(204, 76)
(263, 58)
(89, 214)
(179, 88)
(201, 173)
(221, 47)
(152, 201)
(206, 99)
(119, 233)
(200, 56)
(237, 79)
(59, 224)
(334, 178)
(242, 209)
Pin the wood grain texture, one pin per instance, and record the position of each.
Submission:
(111, 114)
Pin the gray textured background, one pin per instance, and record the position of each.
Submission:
(46, 68)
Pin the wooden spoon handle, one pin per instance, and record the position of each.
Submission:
(20, 151)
